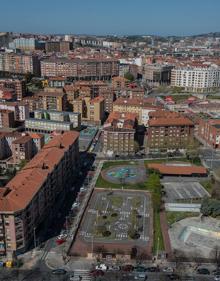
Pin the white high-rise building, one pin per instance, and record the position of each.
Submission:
(196, 79)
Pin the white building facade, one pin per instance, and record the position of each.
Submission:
(196, 79)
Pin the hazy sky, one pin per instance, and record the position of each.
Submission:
(120, 17)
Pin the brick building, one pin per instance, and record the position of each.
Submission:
(80, 69)
(169, 130)
(22, 149)
(31, 197)
(119, 133)
(57, 46)
(209, 131)
(52, 100)
(7, 119)
(19, 87)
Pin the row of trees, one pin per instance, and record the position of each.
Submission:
(210, 207)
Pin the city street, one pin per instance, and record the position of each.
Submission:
(210, 157)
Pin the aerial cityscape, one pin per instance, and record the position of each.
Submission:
(110, 141)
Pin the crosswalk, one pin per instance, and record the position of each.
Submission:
(81, 275)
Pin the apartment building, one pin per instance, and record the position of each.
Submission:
(132, 105)
(6, 143)
(56, 82)
(25, 44)
(60, 116)
(31, 196)
(169, 131)
(25, 149)
(20, 109)
(120, 83)
(18, 86)
(37, 142)
(19, 63)
(157, 74)
(57, 46)
(196, 79)
(52, 100)
(22, 149)
(96, 112)
(209, 131)
(119, 133)
(80, 69)
(47, 126)
(5, 38)
(7, 119)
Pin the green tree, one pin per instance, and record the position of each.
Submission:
(129, 76)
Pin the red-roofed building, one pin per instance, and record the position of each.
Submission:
(178, 169)
(119, 133)
(169, 130)
(209, 131)
(32, 194)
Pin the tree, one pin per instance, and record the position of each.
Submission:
(28, 76)
(129, 76)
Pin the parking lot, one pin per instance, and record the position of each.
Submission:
(183, 191)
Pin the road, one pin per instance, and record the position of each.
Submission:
(39, 275)
(210, 157)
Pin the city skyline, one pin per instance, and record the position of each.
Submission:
(173, 18)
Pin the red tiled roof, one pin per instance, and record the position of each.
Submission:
(97, 99)
(171, 169)
(181, 121)
(23, 187)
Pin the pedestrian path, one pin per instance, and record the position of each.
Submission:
(81, 275)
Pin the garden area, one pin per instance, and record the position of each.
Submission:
(173, 217)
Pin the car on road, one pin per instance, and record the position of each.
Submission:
(140, 276)
(203, 271)
(101, 266)
(152, 269)
(114, 268)
(59, 271)
(75, 205)
(167, 269)
(140, 269)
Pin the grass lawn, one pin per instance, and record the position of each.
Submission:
(158, 237)
(173, 217)
(207, 185)
(109, 164)
(213, 97)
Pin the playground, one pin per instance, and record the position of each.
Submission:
(116, 220)
(125, 174)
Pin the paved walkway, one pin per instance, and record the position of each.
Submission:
(166, 238)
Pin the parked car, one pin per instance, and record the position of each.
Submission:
(168, 269)
(140, 269)
(152, 269)
(101, 266)
(140, 276)
(75, 205)
(114, 268)
(217, 277)
(59, 271)
(204, 271)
